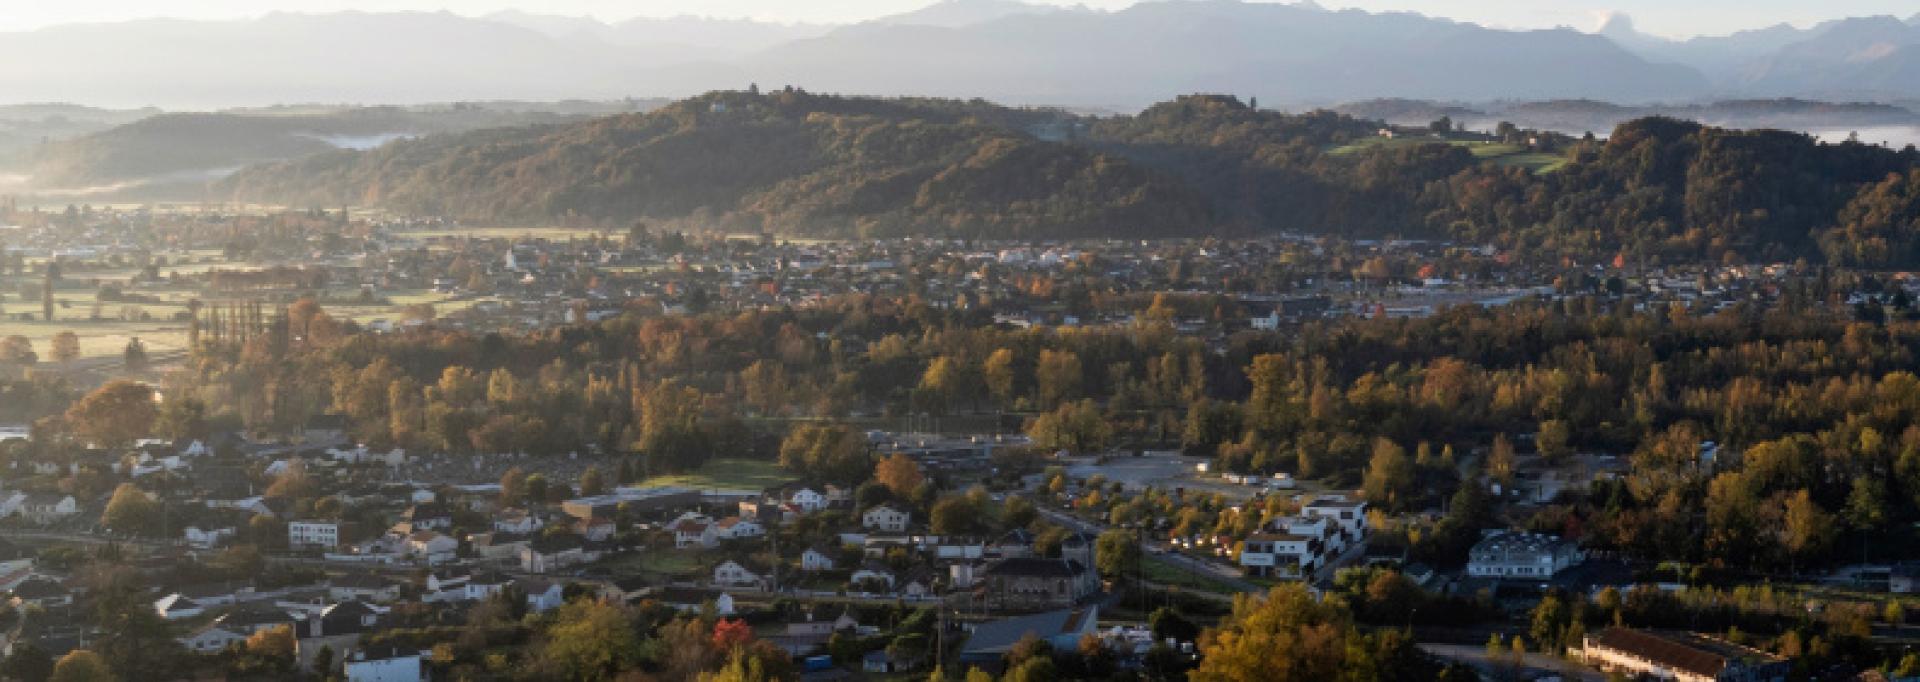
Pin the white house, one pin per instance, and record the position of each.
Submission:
(208, 538)
(48, 507)
(694, 531)
(212, 638)
(807, 500)
(308, 534)
(731, 574)
(887, 518)
(518, 521)
(734, 527)
(815, 560)
(432, 547)
(542, 595)
(388, 664)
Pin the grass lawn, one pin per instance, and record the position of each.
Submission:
(1497, 152)
(665, 563)
(726, 473)
(1159, 571)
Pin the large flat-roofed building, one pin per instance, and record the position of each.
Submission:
(1684, 658)
(653, 499)
(1521, 556)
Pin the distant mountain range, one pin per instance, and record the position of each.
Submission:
(1010, 51)
(1874, 57)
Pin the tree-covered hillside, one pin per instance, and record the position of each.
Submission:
(1656, 190)
(787, 162)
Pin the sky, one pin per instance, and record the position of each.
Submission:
(1661, 17)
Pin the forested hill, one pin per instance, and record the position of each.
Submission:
(789, 162)
(1656, 190)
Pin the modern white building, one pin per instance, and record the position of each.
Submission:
(1282, 555)
(1521, 556)
(306, 534)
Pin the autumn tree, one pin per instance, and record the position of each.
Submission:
(513, 486)
(1287, 635)
(1389, 478)
(131, 511)
(65, 347)
(589, 640)
(826, 452)
(900, 474)
(592, 481)
(1074, 427)
(1115, 552)
(1058, 374)
(17, 350)
(114, 415)
(81, 665)
(998, 375)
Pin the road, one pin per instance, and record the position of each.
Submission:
(1160, 550)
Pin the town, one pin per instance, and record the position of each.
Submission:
(278, 444)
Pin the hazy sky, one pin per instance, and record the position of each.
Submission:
(1664, 17)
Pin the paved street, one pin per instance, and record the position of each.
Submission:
(1533, 663)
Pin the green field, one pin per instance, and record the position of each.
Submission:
(1158, 571)
(1498, 152)
(729, 474)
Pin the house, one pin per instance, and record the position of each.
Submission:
(816, 624)
(883, 661)
(384, 664)
(207, 538)
(1036, 583)
(872, 575)
(887, 518)
(1904, 578)
(1279, 555)
(432, 547)
(212, 637)
(734, 528)
(918, 585)
(44, 508)
(693, 531)
(542, 595)
(1349, 515)
(41, 592)
(14, 559)
(313, 534)
(692, 600)
(816, 559)
(430, 516)
(1062, 628)
(595, 529)
(177, 606)
(549, 553)
(1523, 556)
(807, 500)
(732, 573)
(364, 587)
(517, 521)
(1689, 658)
